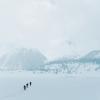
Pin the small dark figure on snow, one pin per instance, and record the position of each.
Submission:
(27, 85)
(30, 83)
(24, 87)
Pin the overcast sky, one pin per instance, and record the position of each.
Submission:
(55, 27)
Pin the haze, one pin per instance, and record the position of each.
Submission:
(55, 27)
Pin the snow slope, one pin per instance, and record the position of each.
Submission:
(93, 55)
(48, 87)
(86, 64)
(21, 59)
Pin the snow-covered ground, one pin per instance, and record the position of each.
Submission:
(48, 86)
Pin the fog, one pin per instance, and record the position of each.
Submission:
(55, 27)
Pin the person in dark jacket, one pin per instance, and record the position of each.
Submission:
(24, 87)
(30, 83)
(27, 85)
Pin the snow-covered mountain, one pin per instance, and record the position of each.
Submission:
(93, 54)
(93, 57)
(32, 59)
(88, 63)
(22, 59)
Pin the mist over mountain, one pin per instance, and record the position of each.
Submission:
(93, 57)
(86, 64)
(19, 58)
(22, 59)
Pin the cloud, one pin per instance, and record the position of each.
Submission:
(48, 24)
(33, 17)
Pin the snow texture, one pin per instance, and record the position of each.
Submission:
(48, 87)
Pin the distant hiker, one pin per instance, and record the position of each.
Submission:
(24, 87)
(30, 83)
(27, 85)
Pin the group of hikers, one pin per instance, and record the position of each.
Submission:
(27, 85)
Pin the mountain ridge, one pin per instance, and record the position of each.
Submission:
(22, 58)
